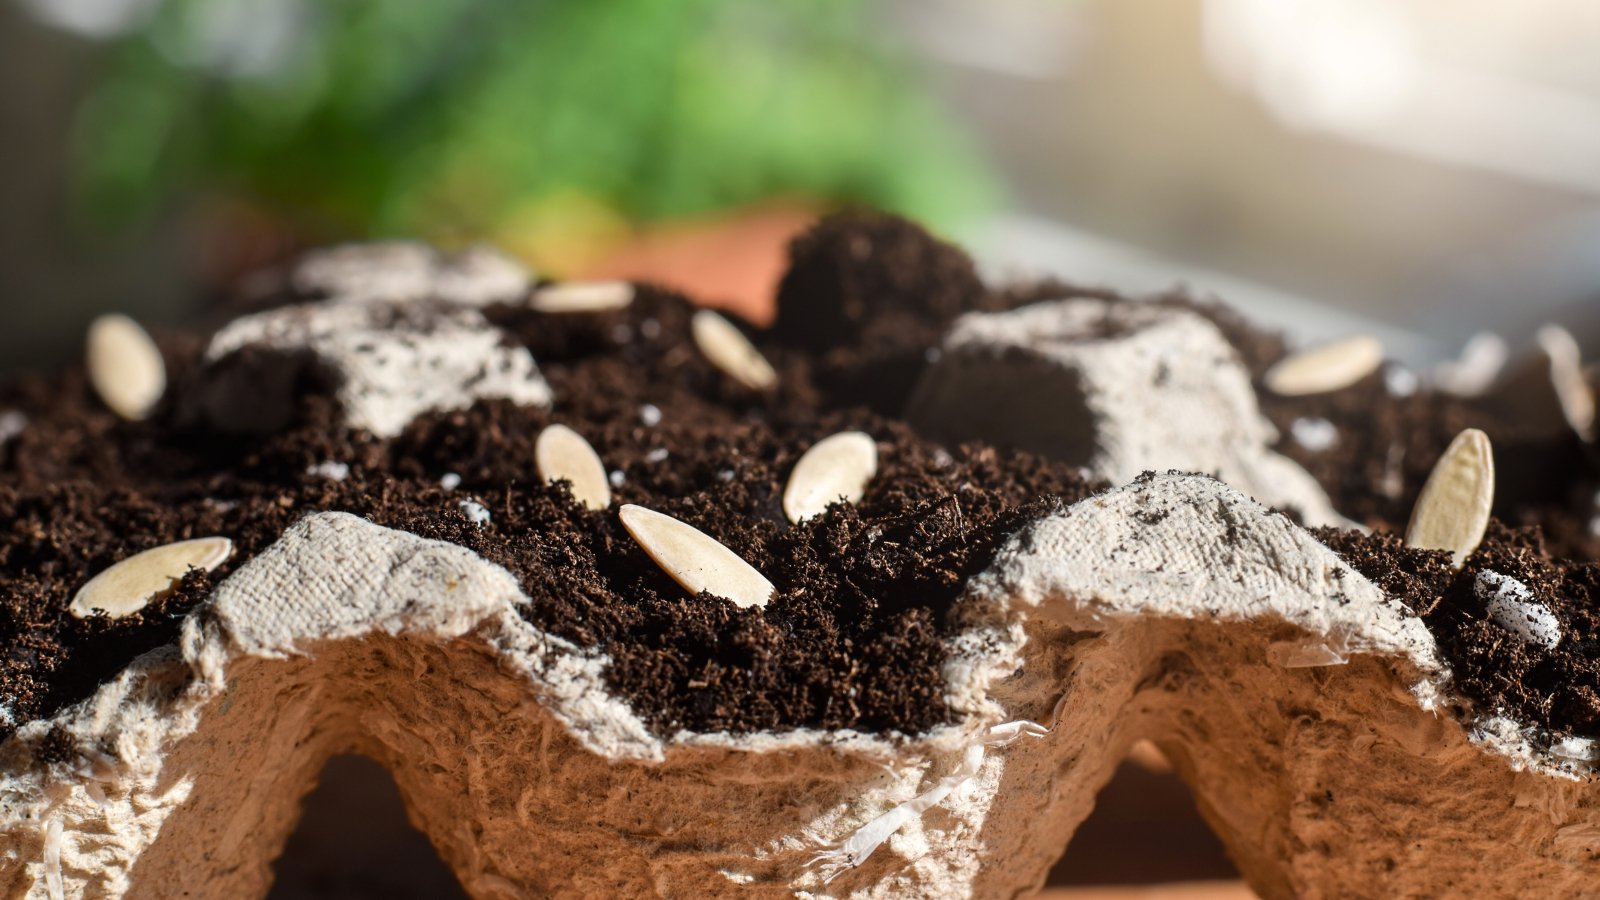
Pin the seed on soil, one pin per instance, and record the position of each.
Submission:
(729, 350)
(1328, 367)
(125, 366)
(836, 468)
(133, 583)
(582, 297)
(695, 560)
(562, 454)
(1572, 387)
(1452, 512)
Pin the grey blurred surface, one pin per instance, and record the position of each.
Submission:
(1136, 152)
(54, 278)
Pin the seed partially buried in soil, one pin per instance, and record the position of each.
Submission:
(125, 366)
(728, 349)
(130, 585)
(695, 560)
(1573, 389)
(582, 297)
(838, 467)
(1452, 512)
(1325, 368)
(561, 454)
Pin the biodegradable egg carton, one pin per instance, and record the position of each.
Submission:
(1310, 713)
(1307, 711)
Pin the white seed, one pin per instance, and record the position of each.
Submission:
(582, 297)
(1452, 512)
(1329, 367)
(695, 560)
(1480, 362)
(1512, 606)
(131, 584)
(836, 468)
(562, 454)
(729, 350)
(125, 366)
(1572, 387)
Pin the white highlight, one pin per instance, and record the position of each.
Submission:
(333, 471)
(859, 846)
(1512, 606)
(477, 512)
(1314, 434)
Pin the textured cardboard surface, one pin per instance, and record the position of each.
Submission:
(1174, 609)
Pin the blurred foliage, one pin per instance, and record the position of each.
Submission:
(464, 118)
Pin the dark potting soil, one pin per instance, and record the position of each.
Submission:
(1385, 446)
(1557, 689)
(852, 639)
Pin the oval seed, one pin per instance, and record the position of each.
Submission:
(1452, 512)
(562, 454)
(1318, 370)
(836, 467)
(125, 366)
(582, 297)
(695, 560)
(729, 350)
(131, 584)
(1572, 388)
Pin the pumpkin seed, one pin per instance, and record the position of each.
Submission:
(133, 583)
(1452, 511)
(125, 366)
(695, 560)
(562, 454)
(836, 467)
(1329, 367)
(729, 350)
(582, 297)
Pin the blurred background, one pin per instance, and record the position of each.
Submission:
(1420, 169)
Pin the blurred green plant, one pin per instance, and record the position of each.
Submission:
(463, 118)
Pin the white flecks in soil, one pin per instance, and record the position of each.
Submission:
(1314, 433)
(331, 470)
(450, 481)
(12, 424)
(1512, 605)
(659, 454)
(650, 415)
(476, 512)
(1400, 381)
